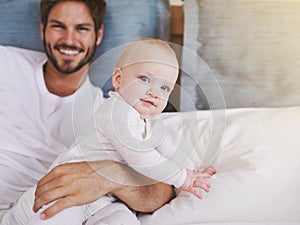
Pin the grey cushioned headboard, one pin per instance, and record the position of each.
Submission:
(125, 20)
(19, 24)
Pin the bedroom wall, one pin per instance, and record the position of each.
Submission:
(241, 54)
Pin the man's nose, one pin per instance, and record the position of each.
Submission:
(70, 37)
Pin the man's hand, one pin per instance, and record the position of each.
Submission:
(81, 183)
(70, 185)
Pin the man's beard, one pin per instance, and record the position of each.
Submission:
(67, 68)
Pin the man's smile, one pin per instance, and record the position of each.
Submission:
(70, 51)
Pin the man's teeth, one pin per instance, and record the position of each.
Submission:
(69, 52)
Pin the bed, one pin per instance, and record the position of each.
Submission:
(239, 98)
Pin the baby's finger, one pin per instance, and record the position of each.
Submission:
(210, 170)
(199, 174)
(203, 184)
(196, 192)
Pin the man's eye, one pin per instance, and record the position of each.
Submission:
(145, 79)
(57, 26)
(165, 88)
(83, 29)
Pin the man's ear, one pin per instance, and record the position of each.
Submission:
(42, 31)
(116, 78)
(100, 35)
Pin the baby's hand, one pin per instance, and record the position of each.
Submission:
(209, 170)
(198, 179)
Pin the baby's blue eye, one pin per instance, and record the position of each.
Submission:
(145, 79)
(165, 88)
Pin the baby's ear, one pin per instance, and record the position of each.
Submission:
(116, 78)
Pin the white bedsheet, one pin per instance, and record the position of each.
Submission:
(257, 163)
(243, 223)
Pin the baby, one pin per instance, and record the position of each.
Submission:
(143, 79)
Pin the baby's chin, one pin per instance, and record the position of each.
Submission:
(146, 113)
(146, 116)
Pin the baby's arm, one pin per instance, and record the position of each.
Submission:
(139, 154)
(197, 179)
(149, 163)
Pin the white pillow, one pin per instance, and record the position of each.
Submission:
(257, 165)
(251, 46)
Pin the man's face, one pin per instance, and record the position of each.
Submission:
(69, 37)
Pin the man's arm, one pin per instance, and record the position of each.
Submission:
(146, 198)
(84, 182)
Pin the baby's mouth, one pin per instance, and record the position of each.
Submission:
(148, 101)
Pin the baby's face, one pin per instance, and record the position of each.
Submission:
(147, 86)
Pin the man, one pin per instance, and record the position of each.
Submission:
(45, 102)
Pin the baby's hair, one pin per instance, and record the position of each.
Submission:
(129, 53)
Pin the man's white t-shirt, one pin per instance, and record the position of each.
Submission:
(35, 125)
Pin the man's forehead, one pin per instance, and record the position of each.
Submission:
(71, 11)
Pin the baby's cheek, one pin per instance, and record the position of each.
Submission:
(164, 95)
(163, 104)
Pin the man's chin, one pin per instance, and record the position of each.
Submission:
(69, 67)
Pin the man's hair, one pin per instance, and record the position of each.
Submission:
(96, 8)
